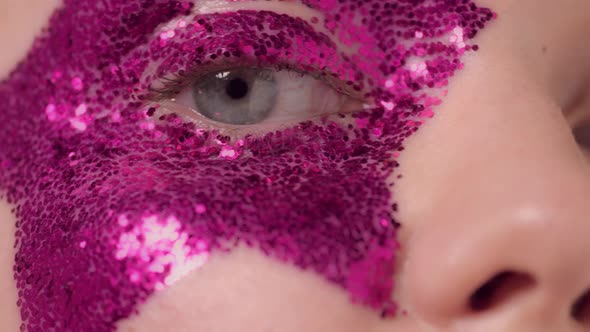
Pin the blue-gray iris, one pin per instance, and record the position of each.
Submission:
(239, 96)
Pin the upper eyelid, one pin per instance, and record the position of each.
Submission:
(165, 84)
(205, 7)
(292, 9)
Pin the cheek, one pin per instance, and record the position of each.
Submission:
(246, 289)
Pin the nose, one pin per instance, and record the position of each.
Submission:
(528, 264)
(504, 242)
(499, 239)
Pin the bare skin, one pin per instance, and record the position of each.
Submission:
(494, 183)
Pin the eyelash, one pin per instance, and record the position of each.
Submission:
(166, 88)
(174, 84)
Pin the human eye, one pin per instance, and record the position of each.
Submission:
(253, 99)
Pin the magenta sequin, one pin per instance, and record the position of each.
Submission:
(114, 200)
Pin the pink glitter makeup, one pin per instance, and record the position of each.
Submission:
(116, 200)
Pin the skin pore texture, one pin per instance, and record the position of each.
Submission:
(505, 226)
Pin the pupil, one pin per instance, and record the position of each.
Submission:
(236, 88)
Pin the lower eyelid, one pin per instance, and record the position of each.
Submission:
(236, 132)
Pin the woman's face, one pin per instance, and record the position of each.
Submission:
(470, 214)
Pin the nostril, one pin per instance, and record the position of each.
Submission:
(499, 289)
(581, 309)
